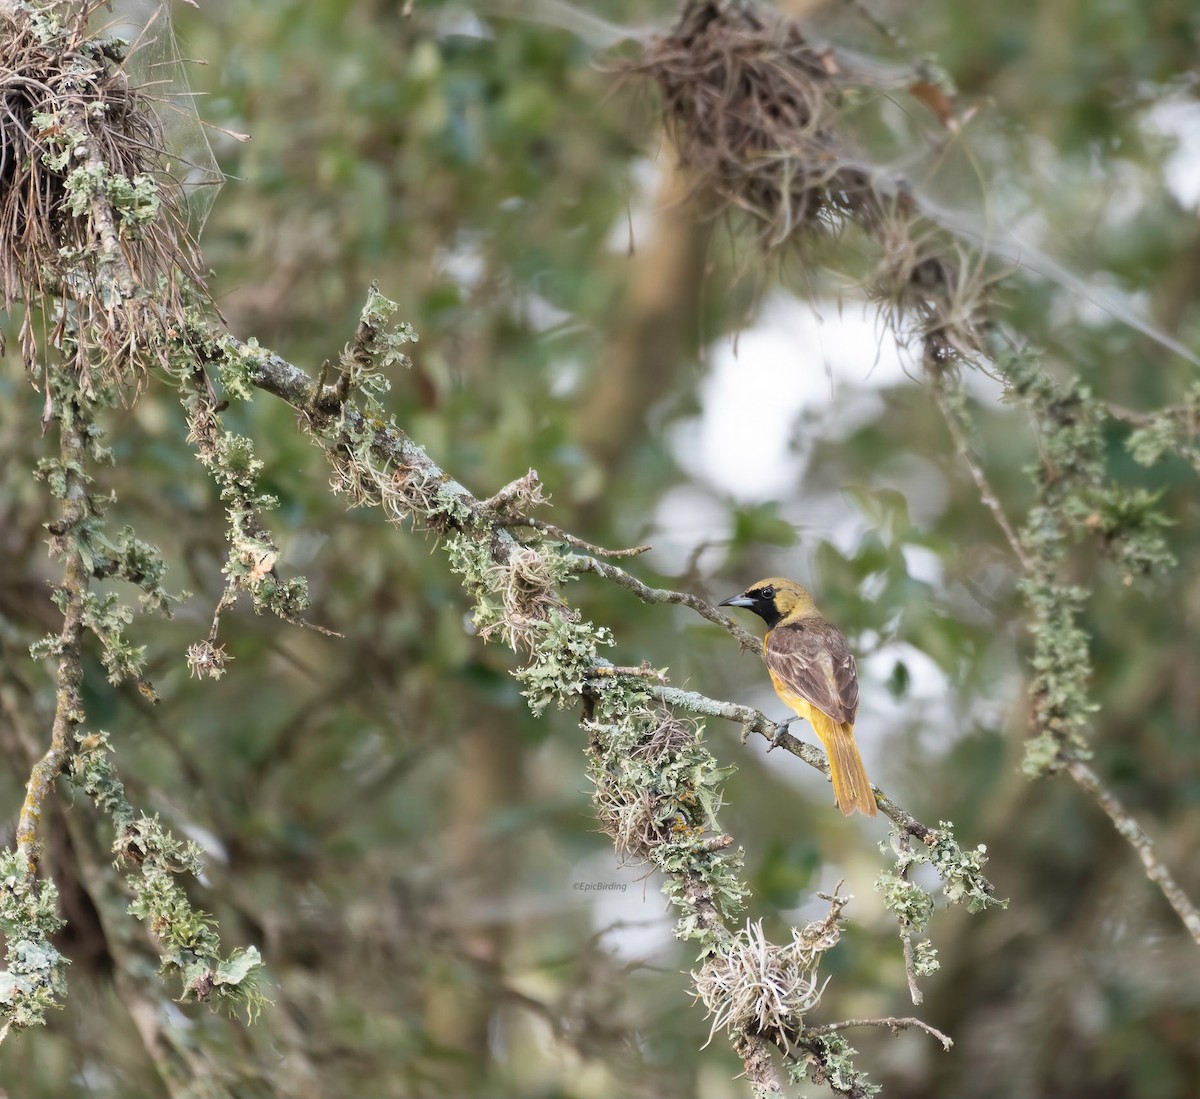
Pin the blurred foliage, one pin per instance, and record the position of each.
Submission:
(381, 815)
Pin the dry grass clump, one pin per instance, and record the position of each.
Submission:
(750, 106)
(525, 584)
(668, 740)
(755, 112)
(638, 802)
(759, 988)
(628, 817)
(88, 213)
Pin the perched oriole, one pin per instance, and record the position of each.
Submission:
(814, 674)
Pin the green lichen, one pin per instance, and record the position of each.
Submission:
(47, 26)
(378, 347)
(925, 960)
(250, 564)
(911, 904)
(829, 1060)
(188, 942)
(1171, 431)
(34, 980)
(1070, 487)
(1149, 444)
(563, 661)
(237, 367)
(961, 871)
(134, 201)
(1062, 670)
(58, 142)
(106, 617)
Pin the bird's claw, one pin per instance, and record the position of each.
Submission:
(781, 728)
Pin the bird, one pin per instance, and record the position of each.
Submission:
(813, 672)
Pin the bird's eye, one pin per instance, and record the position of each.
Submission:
(768, 592)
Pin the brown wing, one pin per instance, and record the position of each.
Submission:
(813, 660)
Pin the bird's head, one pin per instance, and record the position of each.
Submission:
(774, 599)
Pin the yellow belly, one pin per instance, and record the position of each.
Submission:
(801, 707)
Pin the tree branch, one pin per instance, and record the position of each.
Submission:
(893, 1023)
(68, 709)
(755, 1052)
(648, 594)
(954, 421)
(574, 540)
(1133, 833)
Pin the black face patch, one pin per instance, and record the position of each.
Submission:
(764, 605)
(759, 600)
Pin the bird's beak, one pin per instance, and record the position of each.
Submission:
(737, 601)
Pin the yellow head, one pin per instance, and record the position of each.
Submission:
(774, 600)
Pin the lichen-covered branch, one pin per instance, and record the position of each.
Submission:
(393, 448)
(252, 555)
(657, 788)
(919, 955)
(92, 238)
(68, 482)
(185, 937)
(1071, 483)
(894, 1024)
(952, 403)
(166, 1043)
(34, 980)
(648, 594)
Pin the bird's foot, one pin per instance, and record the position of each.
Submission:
(781, 728)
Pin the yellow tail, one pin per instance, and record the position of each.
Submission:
(851, 786)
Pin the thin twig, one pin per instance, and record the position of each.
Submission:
(906, 932)
(986, 493)
(893, 1023)
(572, 539)
(910, 971)
(648, 594)
(1129, 828)
(893, 35)
(1183, 413)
